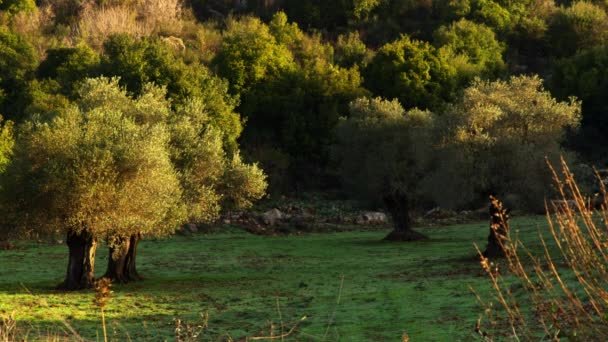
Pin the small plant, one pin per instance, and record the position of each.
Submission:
(187, 332)
(102, 298)
(8, 326)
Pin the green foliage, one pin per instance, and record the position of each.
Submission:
(496, 140)
(242, 184)
(198, 152)
(15, 6)
(580, 26)
(93, 168)
(116, 165)
(7, 141)
(382, 149)
(473, 49)
(17, 63)
(291, 92)
(250, 54)
(138, 62)
(69, 66)
(412, 71)
(350, 51)
(585, 75)
(500, 15)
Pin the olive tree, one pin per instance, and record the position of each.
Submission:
(496, 139)
(92, 172)
(211, 174)
(384, 154)
(119, 168)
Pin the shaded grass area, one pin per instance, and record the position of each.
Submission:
(384, 289)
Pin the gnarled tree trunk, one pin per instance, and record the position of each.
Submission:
(397, 205)
(81, 262)
(122, 260)
(499, 228)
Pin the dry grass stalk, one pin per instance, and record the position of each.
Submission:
(102, 298)
(8, 326)
(186, 332)
(566, 284)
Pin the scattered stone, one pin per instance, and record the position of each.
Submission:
(439, 214)
(272, 217)
(302, 222)
(192, 228)
(371, 217)
(188, 229)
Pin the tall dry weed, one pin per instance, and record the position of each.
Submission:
(561, 290)
(139, 18)
(34, 26)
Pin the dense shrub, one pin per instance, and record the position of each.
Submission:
(412, 71)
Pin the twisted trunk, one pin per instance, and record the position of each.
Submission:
(81, 262)
(122, 260)
(397, 205)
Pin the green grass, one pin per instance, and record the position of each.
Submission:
(387, 289)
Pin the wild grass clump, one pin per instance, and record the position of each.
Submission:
(141, 18)
(560, 290)
(8, 326)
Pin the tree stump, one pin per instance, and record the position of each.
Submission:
(499, 228)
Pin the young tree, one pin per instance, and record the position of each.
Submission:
(92, 171)
(384, 154)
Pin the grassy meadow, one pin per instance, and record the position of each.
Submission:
(350, 286)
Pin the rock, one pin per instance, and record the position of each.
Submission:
(371, 217)
(188, 229)
(192, 228)
(302, 222)
(439, 214)
(272, 217)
